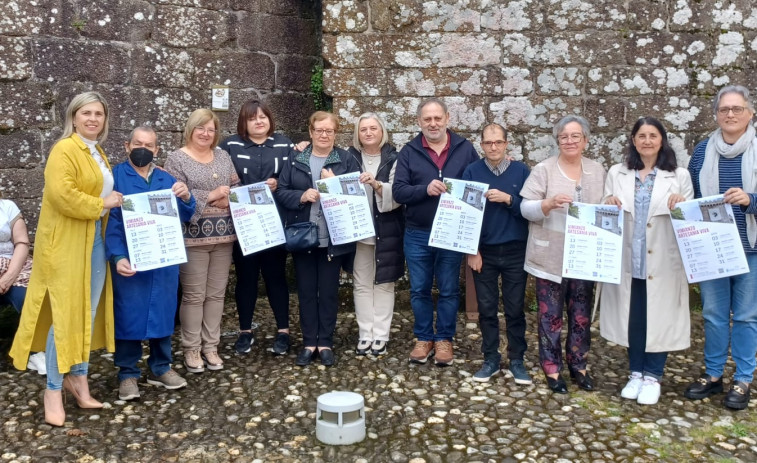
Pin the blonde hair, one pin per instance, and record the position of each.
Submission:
(75, 105)
(198, 118)
(320, 116)
(381, 123)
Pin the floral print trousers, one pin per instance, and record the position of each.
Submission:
(552, 297)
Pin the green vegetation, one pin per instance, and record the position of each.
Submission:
(128, 205)
(677, 214)
(573, 210)
(233, 197)
(316, 89)
(79, 24)
(323, 188)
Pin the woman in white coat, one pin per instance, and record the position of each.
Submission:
(648, 312)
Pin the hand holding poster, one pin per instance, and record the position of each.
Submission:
(153, 230)
(256, 218)
(345, 208)
(593, 242)
(708, 239)
(458, 219)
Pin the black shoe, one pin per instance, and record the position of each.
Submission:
(738, 397)
(557, 385)
(327, 357)
(280, 344)
(703, 388)
(305, 357)
(583, 380)
(244, 342)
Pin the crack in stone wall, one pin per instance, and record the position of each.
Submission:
(154, 61)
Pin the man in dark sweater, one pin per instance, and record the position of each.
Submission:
(422, 164)
(501, 252)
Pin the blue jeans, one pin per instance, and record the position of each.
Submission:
(14, 296)
(128, 353)
(722, 298)
(423, 264)
(99, 265)
(647, 363)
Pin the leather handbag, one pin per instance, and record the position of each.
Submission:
(301, 236)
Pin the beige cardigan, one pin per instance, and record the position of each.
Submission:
(546, 234)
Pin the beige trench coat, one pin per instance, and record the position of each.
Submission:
(668, 319)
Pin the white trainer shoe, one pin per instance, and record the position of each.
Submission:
(37, 363)
(650, 391)
(632, 388)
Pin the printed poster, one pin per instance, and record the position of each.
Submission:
(458, 219)
(345, 207)
(153, 230)
(593, 247)
(256, 218)
(708, 239)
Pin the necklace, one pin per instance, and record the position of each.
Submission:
(371, 157)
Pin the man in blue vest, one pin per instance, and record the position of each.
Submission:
(434, 154)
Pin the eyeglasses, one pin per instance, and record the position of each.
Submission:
(489, 144)
(572, 138)
(737, 110)
(204, 130)
(327, 132)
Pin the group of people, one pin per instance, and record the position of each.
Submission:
(81, 266)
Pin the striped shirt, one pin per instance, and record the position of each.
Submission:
(729, 171)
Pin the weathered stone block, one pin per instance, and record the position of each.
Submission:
(677, 113)
(293, 72)
(560, 81)
(707, 81)
(169, 108)
(157, 66)
(622, 80)
(536, 147)
(605, 113)
(302, 8)
(206, 4)
(730, 49)
(669, 50)
(564, 48)
(648, 15)
(239, 69)
(344, 16)
(22, 183)
(292, 112)
(709, 14)
(15, 58)
(523, 114)
(121, 20)
(252, 6)
(25, 105)
(277, 34)
(21, 148)
(21, 17)
(194, 27)
(30, 211)
(450, 16)
(519, 15)
(394, 15)
(67, 60)
(445, 50)
(579, 15)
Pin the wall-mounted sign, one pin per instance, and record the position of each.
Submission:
(219, 98)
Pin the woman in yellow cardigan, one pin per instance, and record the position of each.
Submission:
(69, 306)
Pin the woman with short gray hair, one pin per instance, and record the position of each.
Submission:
(724, 164)
(547, 193)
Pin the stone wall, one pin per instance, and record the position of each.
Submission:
(154, 61)
(527, 63)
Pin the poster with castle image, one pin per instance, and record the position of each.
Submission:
(459, 216)
(345, 208)
(593, 242)
(256, 218)
(708, 239)
(153, 230)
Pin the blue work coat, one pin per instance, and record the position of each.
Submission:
(144, 305)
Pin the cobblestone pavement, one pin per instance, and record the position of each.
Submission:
(262, 408)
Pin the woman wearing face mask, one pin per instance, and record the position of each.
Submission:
(379, 260)
(144, 302)
(259, 154)
(70, 286)
(209, 237)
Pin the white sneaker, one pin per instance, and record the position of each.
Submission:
(650, 391)
(37, 363)
(632, 388)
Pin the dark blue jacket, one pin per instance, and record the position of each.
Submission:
(257, 163)
(415, 170)
(296, 178)
(144, 304)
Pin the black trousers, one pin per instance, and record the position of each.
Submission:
(318, 291)
(272, 264)
(506, 261)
